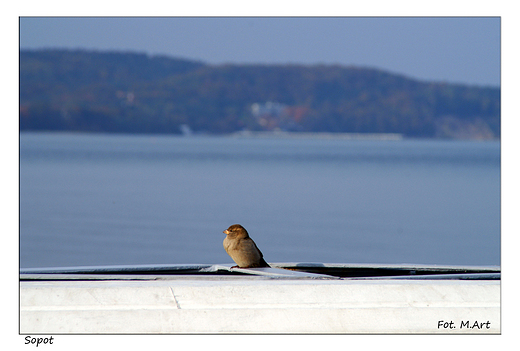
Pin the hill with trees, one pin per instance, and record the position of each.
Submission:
(129, 92)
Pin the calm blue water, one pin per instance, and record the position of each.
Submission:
(113, 199)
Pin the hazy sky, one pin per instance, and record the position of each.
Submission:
(452, 49)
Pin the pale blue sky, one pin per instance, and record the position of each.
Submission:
(451, 49)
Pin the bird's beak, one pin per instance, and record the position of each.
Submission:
(226, 232)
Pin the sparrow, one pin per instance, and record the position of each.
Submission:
(242, 248)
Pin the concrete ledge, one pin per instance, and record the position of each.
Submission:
(260, 306)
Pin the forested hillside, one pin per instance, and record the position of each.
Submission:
(136, 93)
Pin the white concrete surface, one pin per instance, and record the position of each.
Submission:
(242, 305)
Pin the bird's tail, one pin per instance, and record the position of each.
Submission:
(263, 263)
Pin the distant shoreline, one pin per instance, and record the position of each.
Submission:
(132, 93)
(266, 135)
(318, 135)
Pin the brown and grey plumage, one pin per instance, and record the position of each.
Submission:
(242, 248)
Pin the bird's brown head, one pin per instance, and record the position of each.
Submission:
(236, 230)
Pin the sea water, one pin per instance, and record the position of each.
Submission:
(98, 199)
